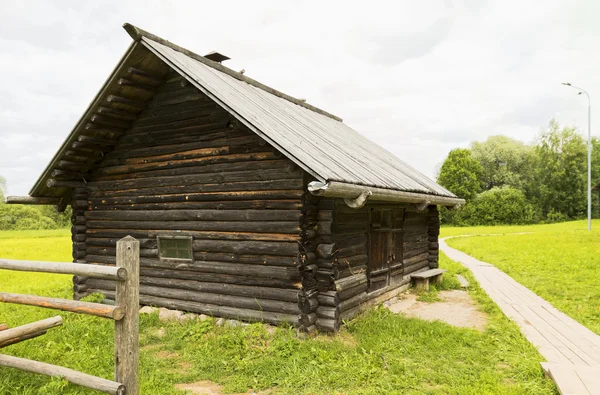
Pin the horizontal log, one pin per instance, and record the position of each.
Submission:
(354, 301)
(95, 250)
(330, 298)
(265, 260)
(221, 311)
(114, 113)
(218, 277)
(151, 243)
(327, 325)
(80, 288)
(97, 309)
(66, 174)
(328, 312)
(164, 140)
(222, 300)
(288, 204)
(106, 272)
(307, 305)
(350, 282)
(247, 247)
(286, 295)
(228, 226)
(160, 116)
(256, 166)
(206, 119)
(232, 187)
(206, 196)
(53, 183)
(415, 259)
(154, 79)
(415, 252)
(269, 272)
(416, 266)
(228, 158)
(107, 237)
(350, 292)
(136, 85)
(135, 104)
(230, 178)
(354, 250)
(34, 327)
(72, 376)
(19, 339)
(78, 229)
(31, 200)
(196, 215)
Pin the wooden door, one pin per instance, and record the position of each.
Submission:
(385, 246)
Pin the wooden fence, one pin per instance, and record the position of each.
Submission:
(124, 313)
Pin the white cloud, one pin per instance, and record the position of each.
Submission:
(420, 78)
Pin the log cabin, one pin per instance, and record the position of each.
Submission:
(248, 203)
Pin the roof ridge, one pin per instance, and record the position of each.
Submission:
(137, 34)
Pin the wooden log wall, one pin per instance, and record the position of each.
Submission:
(187, 167)
(416, 241)
(78, 228)
(307, 261)
(342, 256)
(433, 232)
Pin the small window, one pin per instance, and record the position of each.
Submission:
(177, 248)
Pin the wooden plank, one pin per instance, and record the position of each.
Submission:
(429, 273)
(78, 269)
(566, 379)
(72, 376)
(97, 309)
(34, 327)
(127, 329)
(31, 200)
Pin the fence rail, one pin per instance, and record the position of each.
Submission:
(124, 313)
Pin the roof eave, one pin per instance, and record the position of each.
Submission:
(357, 195)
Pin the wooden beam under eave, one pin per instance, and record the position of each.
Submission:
(32, 200)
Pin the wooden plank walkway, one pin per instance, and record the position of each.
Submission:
(571, 350)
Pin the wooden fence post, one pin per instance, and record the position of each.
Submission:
(127, 329)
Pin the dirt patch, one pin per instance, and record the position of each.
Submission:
(167, 354)
(207, 387)
(455, 308)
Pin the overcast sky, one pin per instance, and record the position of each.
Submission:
(419, 77)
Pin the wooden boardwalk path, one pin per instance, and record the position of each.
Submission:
(571, 350)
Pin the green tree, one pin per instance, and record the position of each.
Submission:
(561, 173)
(461, 174)
(2, 189)
(499, 205)
(504, 161)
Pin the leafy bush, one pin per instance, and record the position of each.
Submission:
(19, 217)
(500, 205)
(555, 216)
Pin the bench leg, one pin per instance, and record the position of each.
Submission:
(421, 284)
(438, 279)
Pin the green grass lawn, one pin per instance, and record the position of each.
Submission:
(559, 262)
(377, 353)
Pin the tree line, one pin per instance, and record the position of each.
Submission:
(20, 217)
(505, 181)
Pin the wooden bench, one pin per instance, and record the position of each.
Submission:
(421, 280)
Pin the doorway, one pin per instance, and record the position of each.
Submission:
(385, 247)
